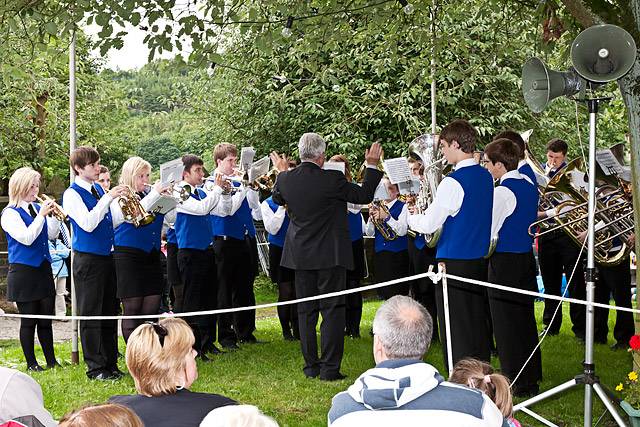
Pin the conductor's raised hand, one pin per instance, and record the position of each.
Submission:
(372, 155)
(280, 162)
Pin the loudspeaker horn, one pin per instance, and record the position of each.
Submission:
(603, 53)
(540, 85)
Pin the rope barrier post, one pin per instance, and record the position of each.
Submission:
(442, 270)
(75, 356)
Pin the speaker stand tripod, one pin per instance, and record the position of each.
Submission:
(588, 376)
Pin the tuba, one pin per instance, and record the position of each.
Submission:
(133, 211)
(57, 210)
(383, 227)
(425, 147)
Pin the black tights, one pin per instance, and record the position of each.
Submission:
(45, 331)
(288, 314)
(138, 305)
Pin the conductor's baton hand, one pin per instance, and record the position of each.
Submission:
(372, 155)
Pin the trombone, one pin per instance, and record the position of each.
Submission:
(57, 210)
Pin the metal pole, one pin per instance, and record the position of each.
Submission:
(447, 323)
(433, 68)
(75, 356)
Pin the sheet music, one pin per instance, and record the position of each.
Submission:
(259, 168)
(171, 171)
(163, 205)
(608, 162)
(397, 170)
(409, 187)
(247, 154)
(336, 166)
(381, 192)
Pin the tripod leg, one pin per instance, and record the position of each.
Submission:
(557, 389)
(602, 394)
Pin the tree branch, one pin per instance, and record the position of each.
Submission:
(582, 13)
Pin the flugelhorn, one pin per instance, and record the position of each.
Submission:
(382, 226)
(57, 210)
(132, 210)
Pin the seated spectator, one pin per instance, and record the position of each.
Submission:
(477, 374)
(402, 389)
(21, 400)
(162, 362)
(105, 415)
(237, 416)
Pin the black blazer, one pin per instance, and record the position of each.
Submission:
(316, 200)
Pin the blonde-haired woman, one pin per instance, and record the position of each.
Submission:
(104, 415)
(30, 280)
(161, 359)
(137, 249)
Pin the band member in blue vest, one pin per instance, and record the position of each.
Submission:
(276, 222)
(421, 257)
(93, 271)
(557, 254)
(515, 206)
(30, 280)
(391, 258)
(196, 259)
(462, 207)
(173, 275)
(523, 167)
(137, 249)
(353, 306)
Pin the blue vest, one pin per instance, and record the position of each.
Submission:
(171, 236)
(193, 231)
(528, 171)
(400, 243)
(278, 238)
(236, 225)
(145, 238)
(467, 235)
(513, 235)
(355, 226)
(35, 253)
(100, 240)
(419, 242)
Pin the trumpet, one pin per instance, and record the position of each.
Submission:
(383, 227)
(57, 210)
(178, 192)
(133, 211)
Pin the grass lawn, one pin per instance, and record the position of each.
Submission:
(270, 376)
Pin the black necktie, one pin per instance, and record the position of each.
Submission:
(95, 192)
(32, 211)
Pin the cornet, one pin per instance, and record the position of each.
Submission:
(57, 210)
(383, 227)
(132, 210)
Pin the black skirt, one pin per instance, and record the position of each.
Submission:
(139, 273)
(359, 263)
(26, 283)
(278, 273)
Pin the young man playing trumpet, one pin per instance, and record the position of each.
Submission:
(515, 204)
(462, 207)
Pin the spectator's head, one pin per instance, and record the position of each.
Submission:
(85, 162)
(105, 415)
(501, 156)
(104, 178)
(24, 185)
(556, 152)
(458, 141)
(476, 374)
(193, 171)
(343, 159)
(515, 137)
(311, 148)
(226, 157)
(237, 416)
(135, 173)
(160, 357)
(402, 329)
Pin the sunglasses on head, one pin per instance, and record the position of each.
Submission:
(160, 330)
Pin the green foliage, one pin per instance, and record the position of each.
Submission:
(158, 150)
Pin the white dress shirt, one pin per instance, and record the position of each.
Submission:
(272, 220)
(447, 202)
(147, 201)
(252, 199)
(73, 205)
(504, 202)
(207, 205)
(399, 226)
(13, 224)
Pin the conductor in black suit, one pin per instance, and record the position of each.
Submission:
(318, 247)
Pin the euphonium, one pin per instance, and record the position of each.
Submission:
(57, 210)
(132, 210)
(383, 227)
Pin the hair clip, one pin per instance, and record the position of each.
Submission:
(160, 330)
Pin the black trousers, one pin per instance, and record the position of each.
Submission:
(311, 283)
(514, 321)
(556, 255)
(470, 336)
(173, 274)
(198, 274)
(235, 289)
(614, 280)
(95, 285)
(389, 266)
(424, 290)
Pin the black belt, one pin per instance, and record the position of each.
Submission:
(225, 238)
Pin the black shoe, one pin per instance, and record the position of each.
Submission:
(35, 368)
(619, 346)
(527, 391)
(333, 377)
(102, 375)
(230, 346)
(251, 340)
(215, 350)
(53, 365)
(311, 375)
(116, 373)
(203, 357)
(288, 337)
